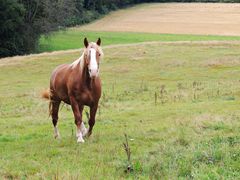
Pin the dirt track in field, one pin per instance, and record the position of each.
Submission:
(18, 59)
(173, 18)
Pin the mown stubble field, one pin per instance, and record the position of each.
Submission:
(173, 18)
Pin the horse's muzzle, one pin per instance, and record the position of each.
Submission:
(93, 73)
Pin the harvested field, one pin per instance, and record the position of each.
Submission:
(173, 18)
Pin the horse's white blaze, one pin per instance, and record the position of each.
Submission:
(56, 132)
(79, 136)
(93, 62)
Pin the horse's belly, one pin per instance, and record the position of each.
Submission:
(86, 99)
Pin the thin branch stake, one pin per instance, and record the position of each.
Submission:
(128, 152)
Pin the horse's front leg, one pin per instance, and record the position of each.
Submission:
(91, 121)
(77, 111)
(83, 128)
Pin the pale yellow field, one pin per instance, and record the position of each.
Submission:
(173, 18)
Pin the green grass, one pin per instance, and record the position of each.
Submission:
(73, 38)
(190, 130)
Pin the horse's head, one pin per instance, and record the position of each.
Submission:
(92, 55)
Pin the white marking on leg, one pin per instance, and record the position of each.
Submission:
(83, 130)
(56, 133)
(79, 136)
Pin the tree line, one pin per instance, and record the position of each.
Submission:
(22, 22)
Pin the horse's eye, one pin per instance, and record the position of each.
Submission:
(99, 55)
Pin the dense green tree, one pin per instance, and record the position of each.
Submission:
(11, 24)
(23, 21)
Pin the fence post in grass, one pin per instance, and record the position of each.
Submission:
(141, 86)
(162, 93)
(155, 95)
(113, 86)
(194, 90)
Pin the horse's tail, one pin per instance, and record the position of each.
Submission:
(46, 94)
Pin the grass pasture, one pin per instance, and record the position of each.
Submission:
(72, 38)
(178, 103)
(175, 95)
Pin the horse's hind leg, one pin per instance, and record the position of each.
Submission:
(54, 113)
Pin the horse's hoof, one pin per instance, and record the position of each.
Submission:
(89, 134)
(80, 140)
(57, 136)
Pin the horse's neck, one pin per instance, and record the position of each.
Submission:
(83, 69)
(86, 77)
(89, 83)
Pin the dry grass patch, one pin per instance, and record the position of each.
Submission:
(223, 61)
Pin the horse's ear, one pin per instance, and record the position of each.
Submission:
(99, 41)
(85, 42)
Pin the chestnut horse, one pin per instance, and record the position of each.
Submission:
(77, 84)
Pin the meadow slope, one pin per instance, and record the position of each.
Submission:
(178, 103)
